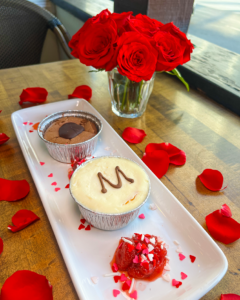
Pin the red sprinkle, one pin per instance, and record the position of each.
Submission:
(67, 186)
(193, 258)
(116, 278)
(142, 216)
(57, 189)
(115, 267)
(81, 226)
(30, 130)
(130, 248)
(42, 163)
(50, 175)
(54, 183)
(88, 227)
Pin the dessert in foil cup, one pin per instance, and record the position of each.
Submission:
(66, 153)
(108, 221)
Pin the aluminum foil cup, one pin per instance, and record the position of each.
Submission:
(108, 221)
(67, 153)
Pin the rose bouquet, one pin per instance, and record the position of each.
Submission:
(131, 49)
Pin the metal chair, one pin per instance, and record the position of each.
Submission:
(23, 28)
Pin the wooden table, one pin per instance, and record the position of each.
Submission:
(207, 132)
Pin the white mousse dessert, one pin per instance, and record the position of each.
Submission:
(110, 185)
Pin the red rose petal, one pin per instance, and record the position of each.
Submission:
(230, 297)
(212, 179)
(81, 226)
(83, 221)
(57, 189)
(88, 227)
(22, 219)
(226, 211)
(133, 135)
(193, 258)
(183, 276)
(179, 159)
(35, 95)
(115, 293)
(222, 229)
(42, 163)
(26, 285)
(13, 190)
(82, 91)
(157, 161)
(133, 295)
(67, 186)
(116, 278)
(50, 175)
(167, 147)
(3, 138)
(176, 283)
(54, 183)
(1, 246)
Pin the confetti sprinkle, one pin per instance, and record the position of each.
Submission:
(183, 276)
(142, 216)
(179, 250)
(166, 277)
(192, 258)
(123, 278)
(57, 189)
(81, 226)
(176, 283)
(67, 186)
(181, 256)
(88, 227)
(133, 295)
(42, 163)
(115, 293)
(50, 175)
(167, 267)
(54, 183)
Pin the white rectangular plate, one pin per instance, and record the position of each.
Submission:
(88, 253)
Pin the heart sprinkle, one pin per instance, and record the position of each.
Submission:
(152, 240)
(94, 279)
(57, 189)
(150, 247)
(25, 123)
(83, 221)
(139, 246)
(30, 131)
(115, 293)
(67, 186)
(176, 283)
(152, 206)
(167, 267)
(135, 260)
(145, 251)
(116, 278)
(166, 277)
(50, 175)
(142, 216)
(81, 226)
(54, 183)
(115, 267)
(133, 295)
(42, 163)
(88, 227)
(123, 278)
(181, 256)
(30, 123)
(179, 250)
(183, 276)
(193, 258)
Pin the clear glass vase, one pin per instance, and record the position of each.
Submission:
(129, 98)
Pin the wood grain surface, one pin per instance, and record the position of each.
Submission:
(207, 132)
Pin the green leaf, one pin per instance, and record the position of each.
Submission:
(97, 70)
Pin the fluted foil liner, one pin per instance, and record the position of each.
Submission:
(68, 153)
(109, 221)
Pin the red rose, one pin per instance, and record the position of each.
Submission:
(143, 24)
(173, 47)
(121, 20)
(94, 43)
(135, 56)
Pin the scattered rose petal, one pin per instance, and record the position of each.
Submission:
(135, 260)
(26, 285)
(133, 295)
(35, 126)
(176, 283)
(35, 95)
(115, 293)
(226, 211)
(42, 163)
(166, 277)
(183, 276)
(30, 131)
(3, 138)
(88, 227)
(13, 190)
(133, 135)
(1, 246)
(81, 226)
(192, 258)
(152, 206)
(83, 221)
(167, 267)
(230, 297)
(142, 216)
(57, 189)
(157, 161)
(67, 186)
(25, 123)
(22, 219)
(212, 180)
(115, 267)
(30, 123)
(50, 175)
(123, 278)
(222, 229)
(181, 256)
(95, 279)
(54, 183)
(116, 278)
(82, 91)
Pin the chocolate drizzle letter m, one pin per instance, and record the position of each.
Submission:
(119, 183)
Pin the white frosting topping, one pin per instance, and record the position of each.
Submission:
(86, 187)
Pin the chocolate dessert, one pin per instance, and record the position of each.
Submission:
(70, 130)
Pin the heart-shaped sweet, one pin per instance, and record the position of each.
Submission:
(70, 130)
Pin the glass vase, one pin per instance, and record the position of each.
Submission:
(129, 98)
